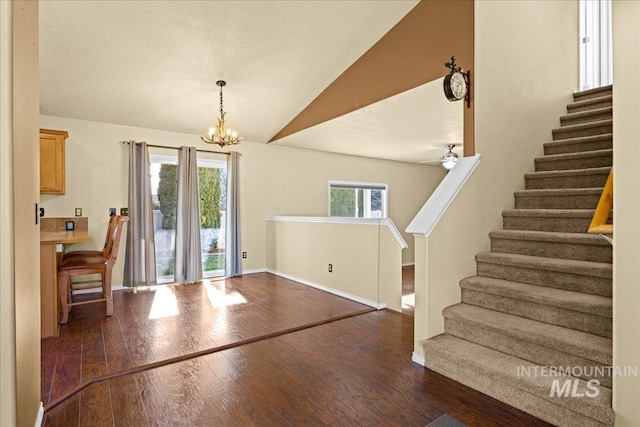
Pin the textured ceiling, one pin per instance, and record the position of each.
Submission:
(413, 126)
(154, 63)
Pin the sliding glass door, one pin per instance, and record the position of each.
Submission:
(212, 180)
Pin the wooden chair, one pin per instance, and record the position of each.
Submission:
(90, 263)
(113, 219)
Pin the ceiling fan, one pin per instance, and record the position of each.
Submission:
(448, 159)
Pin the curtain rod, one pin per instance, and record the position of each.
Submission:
(176, 148)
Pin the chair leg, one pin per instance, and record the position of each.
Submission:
(63, 294)
(106, 289)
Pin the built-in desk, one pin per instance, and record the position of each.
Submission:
(51, 251)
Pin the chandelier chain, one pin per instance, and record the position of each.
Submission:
(221, 107)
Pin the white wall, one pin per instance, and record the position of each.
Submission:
(274, 181)
(7, 305)
(526, 68)
(626, 248)
(365, 256)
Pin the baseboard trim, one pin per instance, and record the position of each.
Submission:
(416, 358)
(40, 417)
(254, 271)
(342, 294)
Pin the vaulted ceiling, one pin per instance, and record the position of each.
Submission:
(154, 64)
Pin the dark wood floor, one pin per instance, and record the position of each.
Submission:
(152, 325)
(408, 290)
(355, 371)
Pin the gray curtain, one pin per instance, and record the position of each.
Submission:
(233, 263)
(140, 259)
(188, 266)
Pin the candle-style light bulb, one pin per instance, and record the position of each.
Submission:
(234, 134)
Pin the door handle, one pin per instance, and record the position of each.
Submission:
(39, 213)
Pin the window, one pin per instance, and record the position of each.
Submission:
(595, 43)
(357, 199)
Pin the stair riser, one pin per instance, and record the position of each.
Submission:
(560, 134)
(567, 121)
(577, 97)
(569, 164)
(573, 108)
(572, 181)
(564, 250)
(590, 323)
(562, 225)
(589, 201)
(535, 353)
(551, 279)
(578, 147)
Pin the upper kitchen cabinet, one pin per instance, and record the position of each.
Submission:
(52, 161)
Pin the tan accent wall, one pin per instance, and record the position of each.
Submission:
(25, 196)
(7, 301)
(275, 181)
(520, 93)
(366, 259)
(411, 54)
(626, 212)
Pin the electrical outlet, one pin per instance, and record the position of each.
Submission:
(330, 268)
(124, 211)
(244, 254)
(112, 211)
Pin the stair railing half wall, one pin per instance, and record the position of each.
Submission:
(431, 296)
(439, 201)
(599, 223)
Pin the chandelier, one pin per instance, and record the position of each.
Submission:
(220, 134)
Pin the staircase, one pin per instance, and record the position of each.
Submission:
(542, 296)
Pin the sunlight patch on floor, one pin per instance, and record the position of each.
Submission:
(164, 303)
(409, 301)
(218, 296)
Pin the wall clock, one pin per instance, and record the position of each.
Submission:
(456, 83)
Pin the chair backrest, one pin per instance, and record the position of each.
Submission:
(113, 219)
(113, 240)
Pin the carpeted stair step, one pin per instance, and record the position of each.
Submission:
(574, 310)
(561, 220)
(593, 93)
(580, 144)
(591, 104)
(569, 341)
(577, 178)
(526, 350)
(569, 198)
(571, 275)
(583, 129)
(537, 342)
(602, 101)
(598, 114)
(578, 246)
(497, 375)
(579, 160)
(464, 322)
